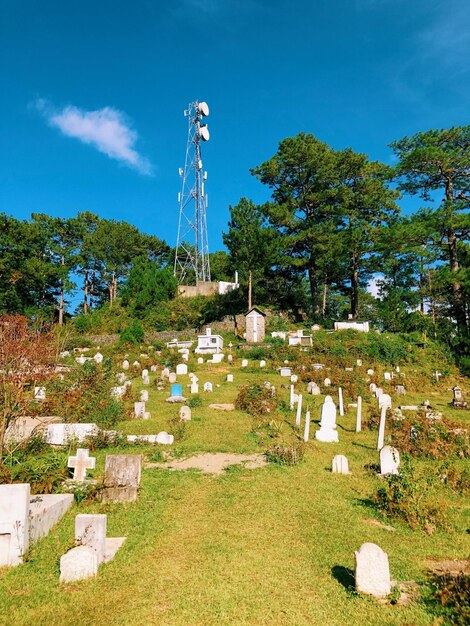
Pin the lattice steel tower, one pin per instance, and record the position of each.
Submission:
(192, 247)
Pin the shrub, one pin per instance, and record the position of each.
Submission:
(133, 333)
(452, 593)
(45, 472)
(411, 496)
(286, 454)
(194, 402)
(422, 437)
(256, 400)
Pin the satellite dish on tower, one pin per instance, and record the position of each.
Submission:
(204, 132)
(203, 108)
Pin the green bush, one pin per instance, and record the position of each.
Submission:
(194, 402)
(133, 333)
(256, 400)
(286, 454)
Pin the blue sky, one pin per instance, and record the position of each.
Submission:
(91, 114)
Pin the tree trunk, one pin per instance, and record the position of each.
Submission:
(354, 291)
(85, 293)
(313, 280)
(249, 291)
(325, 291)
(61, 301)
(458, 302)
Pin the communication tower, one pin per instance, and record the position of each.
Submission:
(192, 246)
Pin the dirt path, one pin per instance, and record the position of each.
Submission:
(214, 463)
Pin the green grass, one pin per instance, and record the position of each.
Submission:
(268, 546)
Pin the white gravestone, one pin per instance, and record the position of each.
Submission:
(14, 523)
(125, 365)
(340, 465)
(165, 439)
(121, 378)
(165, 373)
(80, 463)
(313, 389)
(185, 357)
(262, 363)
(61, 434)
(372, 387)
(340, 398)
(194, 388)
(359, 414)
(389, 460)
(144, 395)
(139, 409)
(118, 392)
(294, 398)
(98, 358)
(153, 369)
(294, 378)
(359, 362)
(200, 360)
(146, 380)
(387, 376)
(385, 400)
(307, 426)
(327, 382)
(327, 432)
(208, 387)
(185, 413)
(381, 436)
(145, 373)
(370, 372)
(245, 363)
(181, 369)
(172, 378)
(90, 531)
(78, 563)
(299, 411)
(230, 358)
(40, 393)
(378, 392)
(285, 371)
(136, 364)
(230, 378)
(372, 571)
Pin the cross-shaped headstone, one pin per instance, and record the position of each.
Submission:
(80, 463)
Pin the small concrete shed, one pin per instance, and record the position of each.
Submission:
(255, 322)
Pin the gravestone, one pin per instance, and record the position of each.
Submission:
(165, 439)
(98, 358)
(307, 427)
(340, 464)
(327, 432)
(372, 571)
(172, 378)
(139, 409)
(121, 378)
(185, 356)
(359, 362)
(400, 390)
(90, 531)
(118, 392)
(78, 563)
(230, 358)
(299, 411)
(381, 436)
(200, 360)
(262, 363)
(294, 378)
(285, 371)
(372, 387)
(121, 477)
(176, 391)
(14, 523)
(153, 368)
(359, 414)
(80, 463)
(385, 400)
(458, 401)
(245, 363)
(165, 372)
(194, 388)
(230, 378)
(387, 376)
(208, 387)
(389, 460)
(40, 393)
(146, 380)
(370, 372)
(61, 434)
(378, 392)
(181, 369)
(185, 413)
(136, 365)
(125, 364)
(313, 388)
(340, 398)
(327, 382)
(145, 373)
(144, 395)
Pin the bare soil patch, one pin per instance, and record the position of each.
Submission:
(214, 463)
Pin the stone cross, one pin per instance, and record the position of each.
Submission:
(80, 463)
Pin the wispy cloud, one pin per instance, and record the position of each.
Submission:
(107, 129)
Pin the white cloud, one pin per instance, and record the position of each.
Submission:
(373, 287)
(108, 130)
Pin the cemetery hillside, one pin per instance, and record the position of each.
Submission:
(274, 433)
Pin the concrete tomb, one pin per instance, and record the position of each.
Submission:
(62, 434)
(121, 477)
(165, 439)
(327, 432)
(93, 548)
(372, 571)
(80, 463)
(340, 465)
(389, 460)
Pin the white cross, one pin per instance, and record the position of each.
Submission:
(80, 463)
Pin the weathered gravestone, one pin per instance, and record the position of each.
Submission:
(93, 548)
(313, 388)
(385, 400)
(98, 358)
(327, 432)
(121, 477)
(389, 460)
(340, 465)
(208, 387)
(139, 409)
(327, 382)
(80, 463)
(185, 413)
(144, 395)
(372, 571)
(165, 439)
(40, 393)
(125, 364)
(458, 401)
(61, 434)
(172, 377)
(181, 369)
